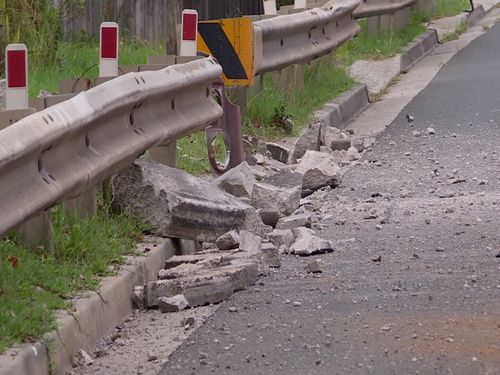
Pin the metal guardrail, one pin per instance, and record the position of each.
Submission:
(369, 8)
(301, 37)
(66, 149)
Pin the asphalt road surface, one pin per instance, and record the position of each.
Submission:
(414, 284)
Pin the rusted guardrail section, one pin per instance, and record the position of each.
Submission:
(66, 149)
(301, 37)
(369, 8)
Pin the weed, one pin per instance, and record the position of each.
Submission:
(448, 8)
(33, 284)
(387, 44)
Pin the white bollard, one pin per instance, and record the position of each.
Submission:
(108, 49)
(300, 4)
(16, 74)
(189, 37)
(270, 7)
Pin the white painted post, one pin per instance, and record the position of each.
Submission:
(108, 49)
(270, 7)
(16, 74)
(189, 36)
(300, 4)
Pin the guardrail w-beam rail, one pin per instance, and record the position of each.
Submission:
(66, 149)
(301, 37)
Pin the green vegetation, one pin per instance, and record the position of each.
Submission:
(455, 35)
(35, 23)
(447, 8)
(33, 283)
(269, 108)
(387, 44)
(81, 58)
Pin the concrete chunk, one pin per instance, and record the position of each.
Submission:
(281, 237)
(200, 293)
(174, 203)
(253, 223)
(238, 181)
(318, 170)
(271, 255)
(250, 243)
(280, 192)
(307, 243)
(310, 139)
(161, 288)
(228, 241)
(172, 304)
(290, 222)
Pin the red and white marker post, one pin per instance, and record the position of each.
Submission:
(300, 4)
(108, 49)
(270, 7)
(189, 38)
(16, 76)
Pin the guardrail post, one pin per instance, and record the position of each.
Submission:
(395, 21)
(36, 231)
(426, 6)
(289, 78)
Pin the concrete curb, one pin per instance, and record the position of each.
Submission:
(345, 107)
(95, 315)
(420, 47)
(476, 14)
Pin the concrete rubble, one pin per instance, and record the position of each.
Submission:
(172, 304)
(318, 169)
(174, 203)
(228, 241)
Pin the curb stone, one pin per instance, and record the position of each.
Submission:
(344, 107)
(420, 47)
(95, 315)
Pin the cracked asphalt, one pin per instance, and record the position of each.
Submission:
(414, 284)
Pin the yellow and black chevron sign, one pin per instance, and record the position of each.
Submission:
(230, 41)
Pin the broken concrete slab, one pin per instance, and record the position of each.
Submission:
(279, 151)
(295, 221)
(250, 243)
(204, 258)
(172, 304)
(253, 223)
(318, 170)
(184, 269)
(310, 246)
(271, 255)
(161, 288)
(238, 181)
(228, 241)
(174, 203)
(200, 293)
(280, 191)
(310, 139)
(281, 237)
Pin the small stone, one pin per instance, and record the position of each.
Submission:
(431, 131)
(410, 118)
(152, 357)
(81, 358)
(427, 221)
(498, 255)
(353, 154)
(296, 303)
(188, 322)
(138, 297)
(172, 304)
(232, 309)
(416, 133)
(314, 266)
(386, 328)
(228, 241)
(377, 259)
(439, 249)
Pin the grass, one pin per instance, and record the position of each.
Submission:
(81, 58)
(34, 284)
(387, 44)
(455, 34)
(448, 8)
(269, 108)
